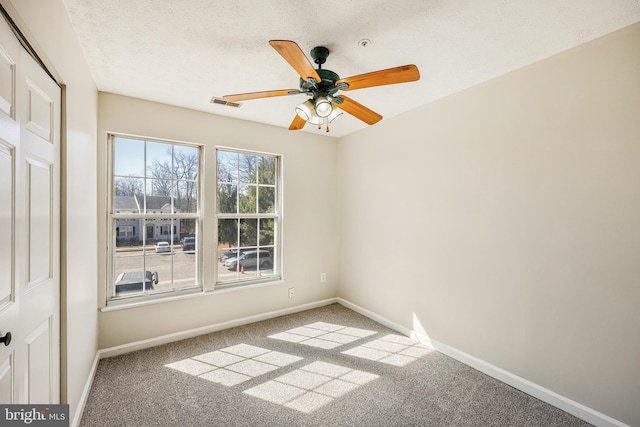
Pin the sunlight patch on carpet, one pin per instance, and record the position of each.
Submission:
(391, 349)
(234, 365)
(312, 386)
(323, 335)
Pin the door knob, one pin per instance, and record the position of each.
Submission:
(6, 339)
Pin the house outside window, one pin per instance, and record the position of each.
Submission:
(156, 219)
(154, 187)
(248, 215)
(125, 231)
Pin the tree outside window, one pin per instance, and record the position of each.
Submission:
(248, 215)
(156, 219)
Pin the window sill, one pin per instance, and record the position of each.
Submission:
(238, 287)
(125, 304)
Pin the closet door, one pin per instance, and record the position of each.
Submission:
(29, 227)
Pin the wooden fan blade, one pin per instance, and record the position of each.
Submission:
(403, 74)
(359, 111)
(297, 123)
(292, 53)
(257, 95)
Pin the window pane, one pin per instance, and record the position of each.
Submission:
(267, 170)
(227, 233)
(128, 186)
(128, 203)
(187, 231)
(267, 232)
(161, 264)
(127, 233)
(129, 275)
(227, 249)
(128, 157)
(227, 167)
(227, 198)
(267, 200)
(159, 187)
(186, 197)
(185, 162)
(228, 268)
(248, 232)
(265, 262)
(161, 230)
(184, 269)
(248, 167)
(247, 199)
(159, 164)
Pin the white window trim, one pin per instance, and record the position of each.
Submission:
(207, 272)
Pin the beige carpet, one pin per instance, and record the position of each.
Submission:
(323, 367)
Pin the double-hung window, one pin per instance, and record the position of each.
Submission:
(154, 205)
(158, 221)
(248, 215)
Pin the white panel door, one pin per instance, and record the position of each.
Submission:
(29, 227)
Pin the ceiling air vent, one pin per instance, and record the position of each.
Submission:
(221, 101)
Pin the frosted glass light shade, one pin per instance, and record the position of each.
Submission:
(335, 114)
(305, 110)
(323, 106)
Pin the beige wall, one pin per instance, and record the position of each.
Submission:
(503, 220)
(46, 25)
(506, 218)
(310, 217)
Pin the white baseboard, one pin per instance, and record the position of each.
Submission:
(77, 417)
(373, 316)
(574, 408)
(165, 339)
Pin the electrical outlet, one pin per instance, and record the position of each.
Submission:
(323, 277)
(291, 292)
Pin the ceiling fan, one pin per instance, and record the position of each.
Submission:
(321, 86)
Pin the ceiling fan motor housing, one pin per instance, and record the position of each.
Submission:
(326, 86)
(329, 79)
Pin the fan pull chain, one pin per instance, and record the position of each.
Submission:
(326, 123)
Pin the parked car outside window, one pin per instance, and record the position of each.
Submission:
(250, 260)
(189, 244)
(226, 255)
(135, 281)
(163, 247)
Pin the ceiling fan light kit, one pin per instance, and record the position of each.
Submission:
(305, 110)
(321, 86)
(323, 106)
(335, 114)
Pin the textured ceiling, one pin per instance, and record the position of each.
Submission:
(183, 52)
